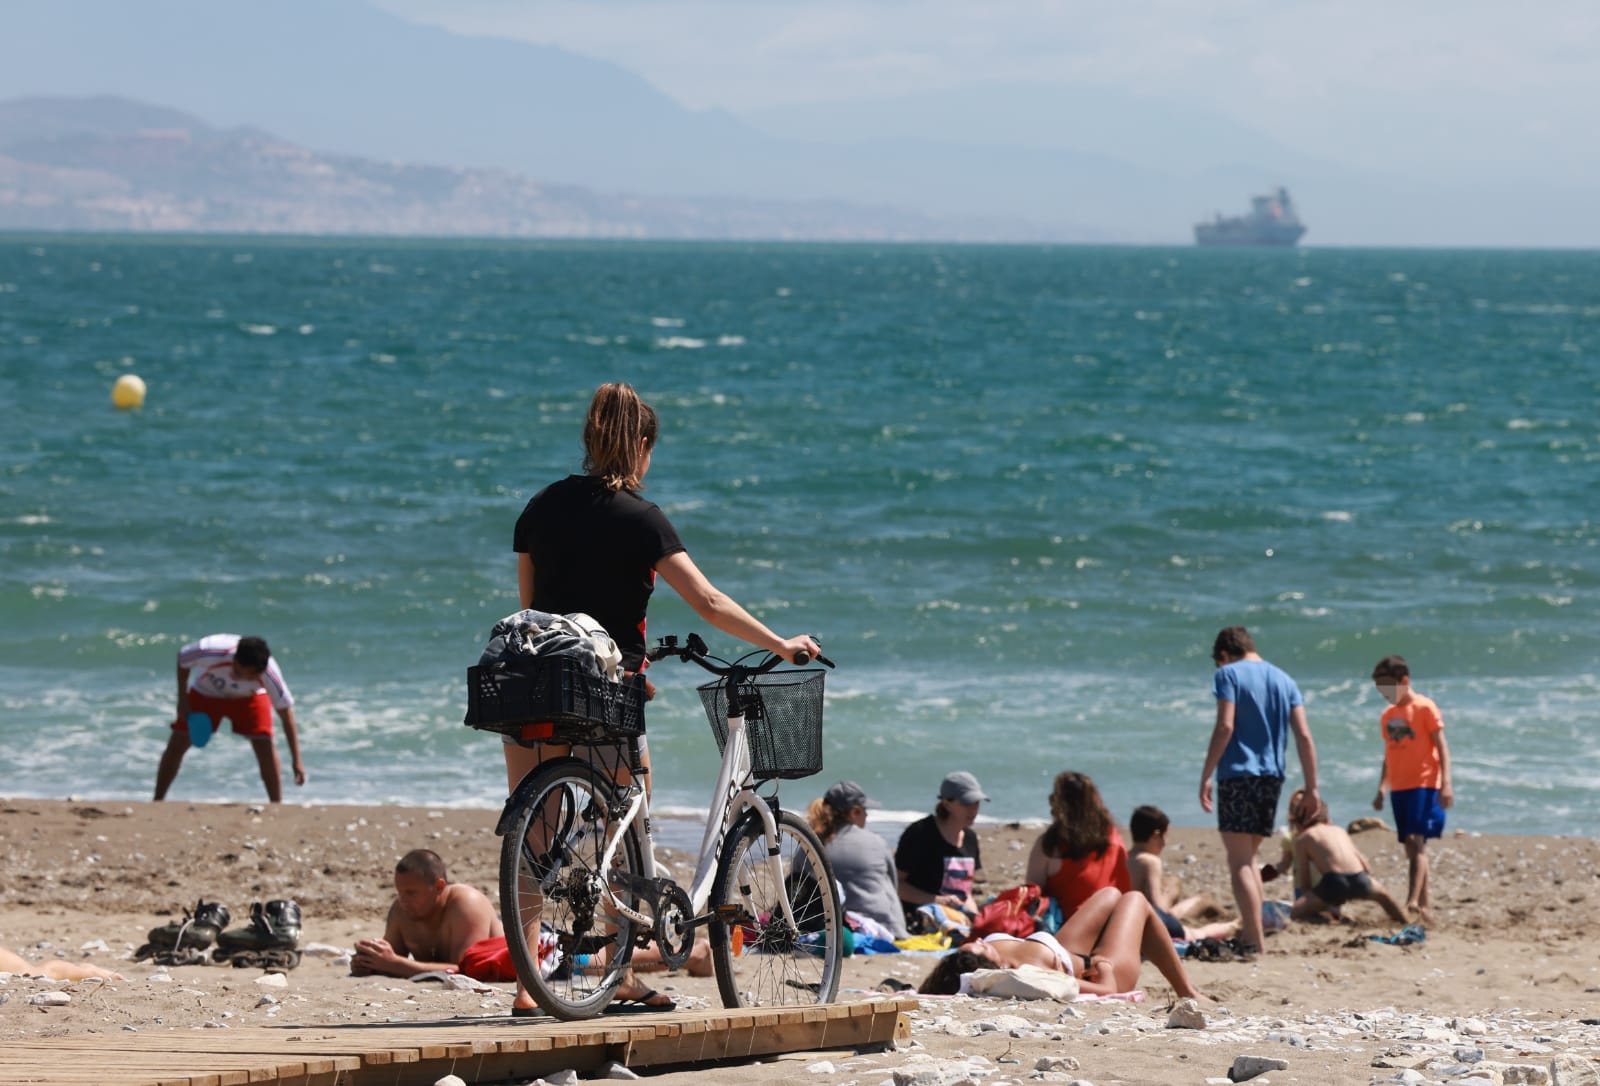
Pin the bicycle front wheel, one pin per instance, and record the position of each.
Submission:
(761, 960)
(569, 944)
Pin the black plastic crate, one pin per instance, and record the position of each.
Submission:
(782, 720)
(505, 697)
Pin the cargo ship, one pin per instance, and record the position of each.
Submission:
(1272, 221)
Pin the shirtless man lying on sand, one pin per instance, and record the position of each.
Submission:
(438, 925)
(1346, 873)
(435, 925)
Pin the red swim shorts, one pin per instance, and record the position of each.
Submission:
(249, 716)
(489, 960)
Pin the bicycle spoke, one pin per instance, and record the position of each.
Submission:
(570, 948)
(773, 961)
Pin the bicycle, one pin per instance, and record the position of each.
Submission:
(580, 885)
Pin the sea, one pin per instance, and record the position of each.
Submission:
(1014, 490)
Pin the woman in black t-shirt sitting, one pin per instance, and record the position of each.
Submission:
(590, 543)
(938, 856)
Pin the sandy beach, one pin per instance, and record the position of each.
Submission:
(1505, 988)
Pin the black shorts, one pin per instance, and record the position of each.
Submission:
(1338, 889)
(1248, 804)
(1173, 925)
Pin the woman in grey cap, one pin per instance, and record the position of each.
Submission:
(862, 863)
(938, 855)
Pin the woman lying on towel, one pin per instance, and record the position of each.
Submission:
(1101, 944)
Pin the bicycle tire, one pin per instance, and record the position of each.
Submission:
(550, 883)
(760, 961)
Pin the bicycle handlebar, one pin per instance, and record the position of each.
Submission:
(695, 651)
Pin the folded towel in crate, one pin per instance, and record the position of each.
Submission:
(538, 633)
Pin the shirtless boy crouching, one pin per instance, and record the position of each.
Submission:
(1347, 876)
(435, 925)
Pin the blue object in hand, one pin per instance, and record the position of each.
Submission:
(199, 729)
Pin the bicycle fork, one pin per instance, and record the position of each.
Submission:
(734, 797)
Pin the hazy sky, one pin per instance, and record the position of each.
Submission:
(1414, 87)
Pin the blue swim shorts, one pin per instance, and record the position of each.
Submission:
(1417, 813)
(1248, 804)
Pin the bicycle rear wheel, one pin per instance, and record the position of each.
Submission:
(570, 949)
(760, 959)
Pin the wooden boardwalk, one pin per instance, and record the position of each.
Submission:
(420, 1053)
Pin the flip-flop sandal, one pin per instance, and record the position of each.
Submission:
(640, 1004)
(199, 729)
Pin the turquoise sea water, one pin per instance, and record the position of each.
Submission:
(1014, 490)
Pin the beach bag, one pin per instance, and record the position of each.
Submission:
(1012, 912)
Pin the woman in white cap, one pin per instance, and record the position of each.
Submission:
(862, 863)
(938, 855)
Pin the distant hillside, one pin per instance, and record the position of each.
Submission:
(1013, 161)
(343, 77)
(111, 164)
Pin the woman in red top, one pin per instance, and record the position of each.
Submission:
(1082, 851)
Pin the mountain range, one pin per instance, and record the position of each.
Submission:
(109, 163)
(431, 130)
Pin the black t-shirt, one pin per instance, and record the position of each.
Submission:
(595, 550)
(933, 864)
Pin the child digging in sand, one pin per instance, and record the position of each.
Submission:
(1346, 872)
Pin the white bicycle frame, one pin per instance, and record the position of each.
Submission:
(734, 793)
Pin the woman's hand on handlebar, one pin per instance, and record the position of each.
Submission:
(793, 646)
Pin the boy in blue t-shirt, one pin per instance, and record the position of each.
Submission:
(1257, 706)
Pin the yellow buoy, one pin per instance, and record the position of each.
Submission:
(128, 392)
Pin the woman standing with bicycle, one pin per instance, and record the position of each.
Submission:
(590, 543)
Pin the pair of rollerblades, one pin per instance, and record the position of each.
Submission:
(271, 940)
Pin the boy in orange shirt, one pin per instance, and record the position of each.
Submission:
(1416, 769)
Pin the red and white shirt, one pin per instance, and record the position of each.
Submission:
(210, 664)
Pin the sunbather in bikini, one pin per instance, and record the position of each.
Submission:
(1101, 944)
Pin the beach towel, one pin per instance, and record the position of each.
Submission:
(933, 942)
(942, 918)
(1411, 933)
(1023, 982)
(529, 633)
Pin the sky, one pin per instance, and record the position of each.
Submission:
(1504, 91)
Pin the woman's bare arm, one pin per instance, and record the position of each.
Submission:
(723, 612)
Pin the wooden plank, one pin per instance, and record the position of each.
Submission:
(125, 1073)
(200, 1050)
(12, 1076)
(419, 1054)
(229, 1068)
